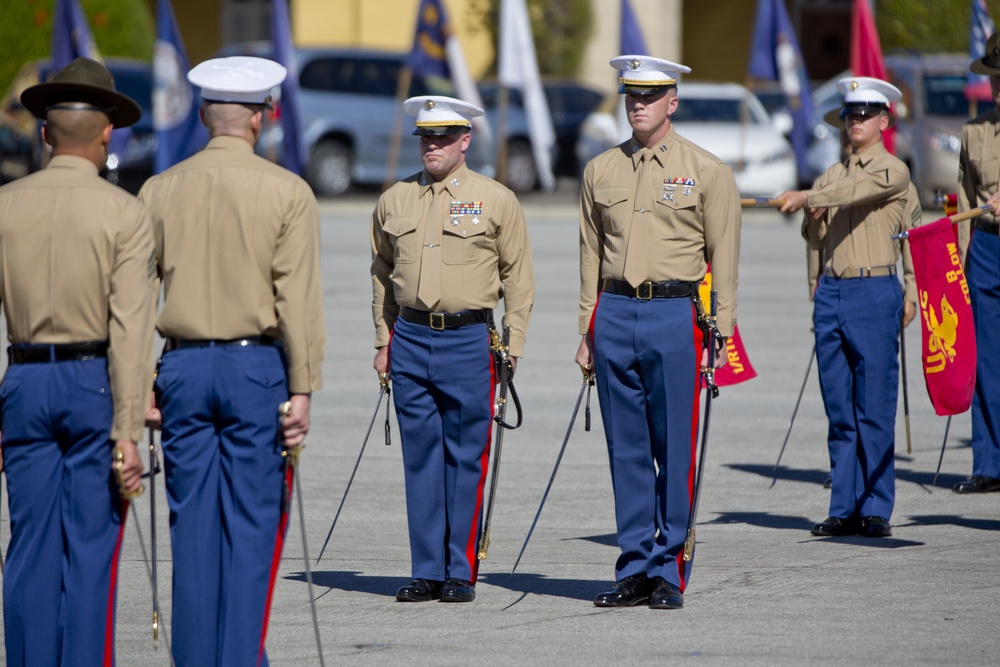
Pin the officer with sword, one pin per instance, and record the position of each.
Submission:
(237, 245)
(654, 211)
(447, 243)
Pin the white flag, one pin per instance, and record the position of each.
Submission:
(518, 68)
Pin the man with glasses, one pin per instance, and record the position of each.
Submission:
(851, 214)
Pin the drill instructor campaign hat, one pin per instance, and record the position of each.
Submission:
(87, 82)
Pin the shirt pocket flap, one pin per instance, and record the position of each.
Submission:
(679, 196)
(609, 196)
(465, 227)
(398, 226)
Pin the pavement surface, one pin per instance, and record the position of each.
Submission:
(763, 590)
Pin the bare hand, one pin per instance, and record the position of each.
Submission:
(381, 362)
(909, 312)
(129, 474)
(585, 355)
(154, 419)
(795, 200)
(720, 358)
(994, 201)
(295, 423)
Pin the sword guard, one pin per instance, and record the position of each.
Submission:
(119, 463)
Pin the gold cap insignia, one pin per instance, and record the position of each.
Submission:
(429, 104)
(634, 63)
(854, 85)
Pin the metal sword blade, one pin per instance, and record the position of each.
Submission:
(802, 390)
(944, 441)
(364, 443)
(305, 559)
(555, 468)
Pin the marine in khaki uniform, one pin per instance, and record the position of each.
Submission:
(78, 286)
(447, 243)
(852, 213)
(237, 244)
(654, 212)
(979, 184)
(815, 269)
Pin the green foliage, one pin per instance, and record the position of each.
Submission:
(561, 30)
(930, 25)
(120, 28)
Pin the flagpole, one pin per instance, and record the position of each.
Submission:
(502, 138)
(392, 161)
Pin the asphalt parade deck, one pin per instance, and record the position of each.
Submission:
(763, 590)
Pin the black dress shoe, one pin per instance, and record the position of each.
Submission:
(421, 590)
(665, 595)
(629, 592)
(834, 527)
(458, 590)
(978, 484)
(875, 526)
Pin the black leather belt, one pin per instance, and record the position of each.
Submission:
(249, 341)
(650, 290)
(865, 272)
(40, 354)
(442, 321)
(987, 226)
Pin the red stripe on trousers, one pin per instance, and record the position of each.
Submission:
(471, 549)
(279, 545)
(109, 622)
(699, 343)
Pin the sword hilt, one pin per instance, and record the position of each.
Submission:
(484, 545)
(119, 462)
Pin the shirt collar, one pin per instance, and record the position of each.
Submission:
(231, 143)
(452, 183)
(75, 162)
(659, 150)
(872, 152)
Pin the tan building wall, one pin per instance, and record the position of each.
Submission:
(384, 24)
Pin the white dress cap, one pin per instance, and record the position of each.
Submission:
(645, 74)
(440, 115)
(237, 80)
(866, 90)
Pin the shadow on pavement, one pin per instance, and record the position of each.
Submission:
(783, 474)
(352, 581)
(539, 584)
(609, 540)
(951, 520)
(764, 520)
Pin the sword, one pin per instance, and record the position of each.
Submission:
(906, 392)
(588, 382)
(501, 353)
(712, 391)
(292, 460)
(383, 391)
(944, 441)
(794, 412)
(153, 465)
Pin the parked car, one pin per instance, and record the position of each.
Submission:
(349, 111)
(725, 119)
(930, 118)
(132, 150)
(569, 105)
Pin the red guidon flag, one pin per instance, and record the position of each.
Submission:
(949, 339)
(738, 367)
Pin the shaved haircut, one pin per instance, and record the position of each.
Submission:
(74, 128)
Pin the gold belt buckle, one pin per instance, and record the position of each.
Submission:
(649, 291)
(437, 324)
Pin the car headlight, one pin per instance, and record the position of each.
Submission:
(942, 141)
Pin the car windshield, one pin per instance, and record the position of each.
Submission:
(945, 96)
(713, 110)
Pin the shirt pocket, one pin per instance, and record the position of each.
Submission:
(465, 241)
(612, 206)
(678, 209)
(402, 235)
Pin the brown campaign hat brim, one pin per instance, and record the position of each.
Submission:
(980, 67)
(832, 117)
(86, 81)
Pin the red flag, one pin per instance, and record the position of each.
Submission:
(738, 367)
(948, 336)
(866, 55)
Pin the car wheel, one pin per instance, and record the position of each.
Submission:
(522, 175)
(329, 170)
